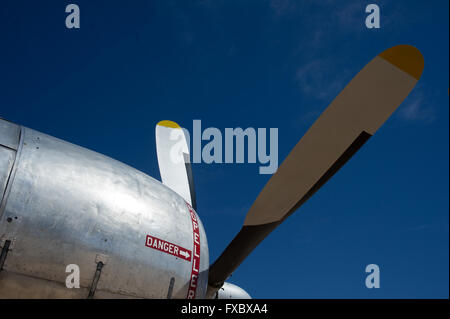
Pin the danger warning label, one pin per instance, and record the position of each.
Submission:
(168, 248)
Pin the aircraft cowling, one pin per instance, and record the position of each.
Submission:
(9, 143)
(230, 291)
(66, 205)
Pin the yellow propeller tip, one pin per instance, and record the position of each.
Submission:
(406, 57)
(168, 124)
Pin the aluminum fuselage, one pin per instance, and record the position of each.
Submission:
(62, 204)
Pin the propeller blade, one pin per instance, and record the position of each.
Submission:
(173, 160)
(348, 122)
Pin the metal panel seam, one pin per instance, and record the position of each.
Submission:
(13, 173)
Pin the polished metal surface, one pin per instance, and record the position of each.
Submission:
(9, 134)
(230, 291)
(7, 157)
(9, 143)
(68, 205)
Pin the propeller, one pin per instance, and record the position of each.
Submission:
(173, 160)
(341, 130)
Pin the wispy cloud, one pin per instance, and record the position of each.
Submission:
(308, 118)
(319, 79)
(282, 7)
(351, 15)
(417, 109)
(325, 73)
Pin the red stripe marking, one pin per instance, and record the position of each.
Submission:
(196, 255)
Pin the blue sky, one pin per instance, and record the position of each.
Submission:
(273, 63)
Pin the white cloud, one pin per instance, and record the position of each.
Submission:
(318, 78)
(282, 7)
(416, 109)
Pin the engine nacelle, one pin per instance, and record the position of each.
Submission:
(9, 143)
(230, 291)
(63, 205)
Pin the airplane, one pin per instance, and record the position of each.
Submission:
(132, 236)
